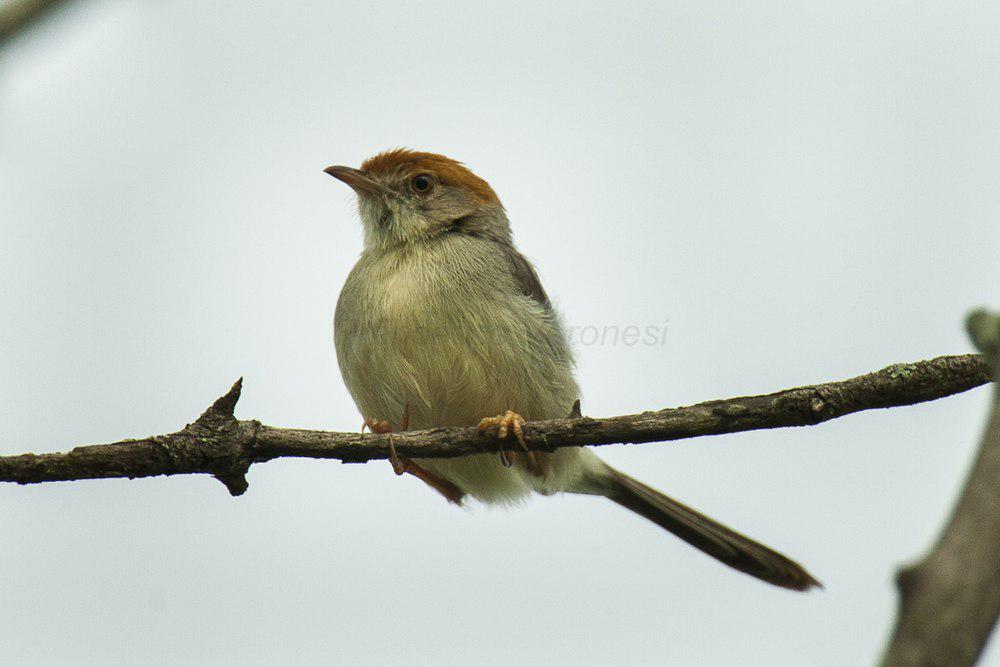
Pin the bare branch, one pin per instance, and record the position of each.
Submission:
(220, 445)
(949, 601)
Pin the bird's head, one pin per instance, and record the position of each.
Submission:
(407, 197)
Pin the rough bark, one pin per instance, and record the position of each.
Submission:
(949, 600)
(220, 445)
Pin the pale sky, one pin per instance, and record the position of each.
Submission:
(798, 193)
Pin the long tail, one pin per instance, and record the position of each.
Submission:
(708, 535)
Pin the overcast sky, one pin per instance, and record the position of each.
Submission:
(797, 194)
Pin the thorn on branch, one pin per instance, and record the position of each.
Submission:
(217, 425)
(224, 406)
(237, 484)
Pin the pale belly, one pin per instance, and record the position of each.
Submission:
(456, 378)
(451, 362)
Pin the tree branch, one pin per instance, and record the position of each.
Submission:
(220, 445)
(949, 601)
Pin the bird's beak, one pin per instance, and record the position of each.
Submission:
(361, 182)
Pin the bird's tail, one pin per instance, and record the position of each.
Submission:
(706, 534)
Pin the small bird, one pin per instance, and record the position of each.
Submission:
(442, 322)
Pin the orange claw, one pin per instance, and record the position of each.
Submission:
(377, 426)
(505, 423)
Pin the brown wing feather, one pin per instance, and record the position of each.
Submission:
(525, 276)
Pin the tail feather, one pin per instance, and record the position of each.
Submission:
(708, 535)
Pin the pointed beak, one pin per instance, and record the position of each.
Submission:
(358, 180)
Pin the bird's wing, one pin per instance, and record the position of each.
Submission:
(525, 276)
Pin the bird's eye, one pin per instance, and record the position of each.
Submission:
(422, 183)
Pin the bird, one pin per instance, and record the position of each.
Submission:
(442, 322)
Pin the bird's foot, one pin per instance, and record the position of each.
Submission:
(379, 426)
(506, 423)
(383, 427)
(446, 488)
(401, 466)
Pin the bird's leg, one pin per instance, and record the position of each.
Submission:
(505, 423)
(452, 493)
(383, 427)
